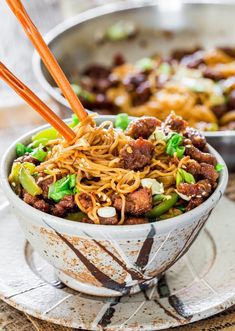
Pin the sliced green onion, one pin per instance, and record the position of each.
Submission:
(36, 143)
(62, 187)
(183, 176)
(173, 143)
(75, 120)
(83, 93)
(179, 178)
(164, 68)
(39, 153)
(28, 182)
(49, 134)
(15, 171)
(122, 121)
(145, 64)
(21, 149)
(219, 167)
(120, 30)
(180, 151)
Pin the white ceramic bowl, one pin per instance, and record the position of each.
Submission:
(108, 260)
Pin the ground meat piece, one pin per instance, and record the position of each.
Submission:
(137, 154)
(87, 220)
(175, 123)
(142, 127)
(44, 184)
(130, 220)
(131, 82)
(103, 220)
(118, 60)
(178, 54)
(198, 155)
(194, 168)
(229, 126)
(97, 71)
(228, 51)
(142, 94)
(66, 205)
(198, 140)
(85, 200)
(193, 203)
(27, 158)
(36, 202)
(208, 171)
(219, 110)
(212, 74)
(109, 220)
(194, 60)
(200, 189)
(231, 100)
(137, 202)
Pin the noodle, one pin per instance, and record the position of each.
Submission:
(93, 157)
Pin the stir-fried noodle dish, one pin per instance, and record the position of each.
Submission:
(197, 84)
(121, 173)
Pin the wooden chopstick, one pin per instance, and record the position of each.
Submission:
(47, 57)
(36, 103)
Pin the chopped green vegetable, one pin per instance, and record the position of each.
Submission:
(77, 217)
(15, 171)
(145, 64)
(75, 121)
(120, 30)
(36, 143)
(121, 121)
(83, 93)
(160, 197)
(29, 166)
(179, 178)
(164, 68)
(181, 208)
(219, 167)
(158, 135)
(49, 134)
(62, 187)
(39, 153)
(28, 182)
(183, 176)
(180, 151)
(173, 145)
(163, 207)
(21, 149)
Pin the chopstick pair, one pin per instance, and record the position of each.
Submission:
(52, 66)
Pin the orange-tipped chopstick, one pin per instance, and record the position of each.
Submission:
(36, 103)
(47, 57)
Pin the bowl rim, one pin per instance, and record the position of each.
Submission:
(97, 12)
(202, 209)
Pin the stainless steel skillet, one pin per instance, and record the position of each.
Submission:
(162, 26)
